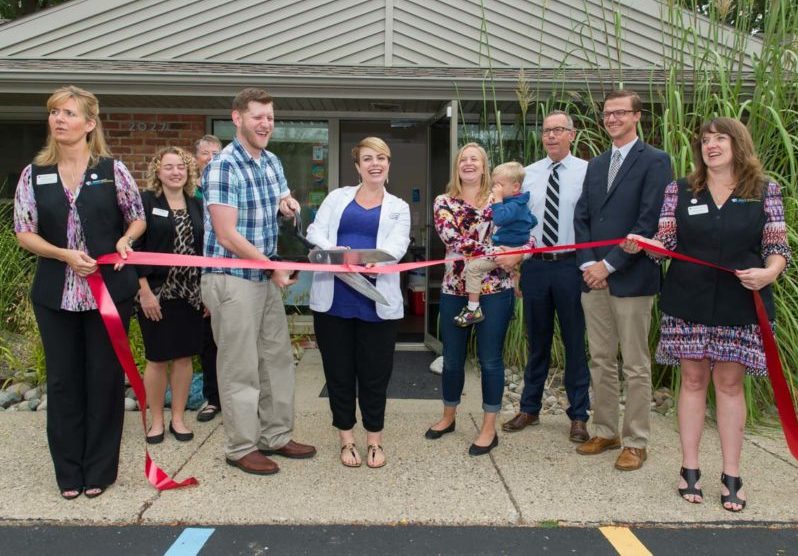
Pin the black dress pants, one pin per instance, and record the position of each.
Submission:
(358, 360)
(210, 386)
(85, 395)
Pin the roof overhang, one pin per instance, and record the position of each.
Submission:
(193, 86)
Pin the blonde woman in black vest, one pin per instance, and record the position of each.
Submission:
(73, 204)
(726, 212)
(170, 308)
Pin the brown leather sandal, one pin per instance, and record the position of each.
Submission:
(353, 451)
(372, 453)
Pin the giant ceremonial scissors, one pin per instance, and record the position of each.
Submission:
(358, 257)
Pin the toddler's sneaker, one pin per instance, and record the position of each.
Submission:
(468, 317)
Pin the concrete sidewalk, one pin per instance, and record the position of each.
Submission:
(533, 477)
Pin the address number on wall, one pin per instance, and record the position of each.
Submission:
(150, 126)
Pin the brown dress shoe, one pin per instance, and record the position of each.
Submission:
(630, 459)
(578, 432)
(255, 463)
(521, 421)
(293, 450)
(598, 445)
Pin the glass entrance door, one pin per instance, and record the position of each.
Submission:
(442, 149)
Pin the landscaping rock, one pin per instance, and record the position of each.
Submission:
(33, 404)
(22, 406)
(130, 404)
(436, 367)
(8, 398)
(43, 405)
(32, 394)
(20, 388)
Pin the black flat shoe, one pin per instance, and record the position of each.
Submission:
(94, 492)
(180, 436)
(432, 434)
(734, 484)
(154, 439)
(475, 450)
(691, 477)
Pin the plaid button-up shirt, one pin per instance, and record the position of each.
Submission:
(254, 188)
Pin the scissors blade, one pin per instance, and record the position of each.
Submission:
(350, 256)
(362, 285)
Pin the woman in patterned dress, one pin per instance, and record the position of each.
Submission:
(170, 307)
(73, 204)
(729, 213)
(463, 221)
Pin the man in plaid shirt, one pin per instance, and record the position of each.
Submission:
(244, 187)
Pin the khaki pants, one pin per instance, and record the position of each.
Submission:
(255, 363)
(475, 271)
(610, 322)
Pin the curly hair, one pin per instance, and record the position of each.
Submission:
(153, 182)
(747, 169)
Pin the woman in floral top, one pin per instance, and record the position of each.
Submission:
(463, 222)
(73, 204)
(727, 213)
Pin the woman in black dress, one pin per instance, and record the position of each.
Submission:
(170, 308)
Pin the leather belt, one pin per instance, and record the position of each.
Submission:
(554, 256)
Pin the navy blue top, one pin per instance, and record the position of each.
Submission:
(514, 220)
(356, 230)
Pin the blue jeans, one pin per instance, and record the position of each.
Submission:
(550, 286)
(497, 308)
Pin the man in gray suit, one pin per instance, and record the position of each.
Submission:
(622, 194)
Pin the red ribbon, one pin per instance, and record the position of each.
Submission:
(113, 323)
(781, 392)
(116, 332)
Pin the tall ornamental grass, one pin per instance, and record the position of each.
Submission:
(705, 77)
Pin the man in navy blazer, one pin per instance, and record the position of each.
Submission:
(622, 193)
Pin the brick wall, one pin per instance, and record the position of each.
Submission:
(135, 138)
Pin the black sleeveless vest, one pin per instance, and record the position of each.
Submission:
(101, 219)
(730, 237)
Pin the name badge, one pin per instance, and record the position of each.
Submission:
(697, 209)
(44, 179)
(160, 212)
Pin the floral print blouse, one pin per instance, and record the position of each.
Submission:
(77, 295)
(466, 230)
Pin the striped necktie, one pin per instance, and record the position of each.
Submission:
(551, 210)
(615, 165)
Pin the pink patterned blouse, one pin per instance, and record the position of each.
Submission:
(466, 230)
(77, 295)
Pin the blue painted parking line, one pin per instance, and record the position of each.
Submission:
(190, 542)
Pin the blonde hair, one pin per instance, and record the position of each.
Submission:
(513, 171)
(747, 168)
(454, 188)
(153, 182)
(373, 143)
(89, 108)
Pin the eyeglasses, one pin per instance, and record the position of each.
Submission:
(556, 131)
(617, 113)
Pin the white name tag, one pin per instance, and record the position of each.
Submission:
(698, 209)
(44, 179)
(161, 212)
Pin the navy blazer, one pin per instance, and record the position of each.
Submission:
(631, 206)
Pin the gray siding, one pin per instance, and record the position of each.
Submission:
(575, 34)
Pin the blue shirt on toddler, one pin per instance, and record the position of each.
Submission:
(514, 220)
